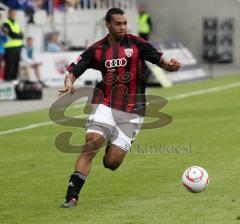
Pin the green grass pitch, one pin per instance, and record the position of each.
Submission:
(147, 187)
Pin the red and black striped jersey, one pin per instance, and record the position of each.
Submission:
(123, 82)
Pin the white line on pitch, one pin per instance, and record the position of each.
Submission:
(204, 91)
(32, 126)
(177, 97)
(25, 128)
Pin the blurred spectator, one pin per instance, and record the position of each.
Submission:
(3, 40)
(60, 4)
(63, 46)
(38, 4)
(11, 3)
(53, 45)
(29, 61)
(85, 4)
(101, 3)
(48, 5)
(144, 23)
(29, 10)
(12, 46)
(25, 5)
(71, 4)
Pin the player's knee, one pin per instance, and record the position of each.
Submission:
(93, 142)
(111, 164)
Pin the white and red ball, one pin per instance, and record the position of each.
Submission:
(195, 179)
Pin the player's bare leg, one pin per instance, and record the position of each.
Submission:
(94, 141)
(113, 157)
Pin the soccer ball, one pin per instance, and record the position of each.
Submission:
(195, 179)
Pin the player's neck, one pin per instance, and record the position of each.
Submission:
(113, 40)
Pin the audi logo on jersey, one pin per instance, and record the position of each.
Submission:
(119, 62)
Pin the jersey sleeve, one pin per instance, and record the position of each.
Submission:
(82, 63)
(149, 53)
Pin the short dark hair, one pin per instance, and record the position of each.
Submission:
(113, 11)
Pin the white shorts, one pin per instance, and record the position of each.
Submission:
(119, 127)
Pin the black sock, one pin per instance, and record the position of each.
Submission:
(76, 181)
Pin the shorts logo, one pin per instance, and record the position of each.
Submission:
(119, 62)
(128, 52)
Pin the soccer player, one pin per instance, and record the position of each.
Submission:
(118, 100)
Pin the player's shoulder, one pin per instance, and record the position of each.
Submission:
(135, 38)
(98, 44)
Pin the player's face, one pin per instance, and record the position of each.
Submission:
(117, 26)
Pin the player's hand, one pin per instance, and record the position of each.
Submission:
(67, 89)
(172, 66)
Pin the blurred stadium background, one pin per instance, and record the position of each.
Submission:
(204, 37)
(203, 100)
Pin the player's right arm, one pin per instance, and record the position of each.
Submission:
(76, 69)
(68, 84)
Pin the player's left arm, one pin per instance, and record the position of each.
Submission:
(151, 54)
(171, 66)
